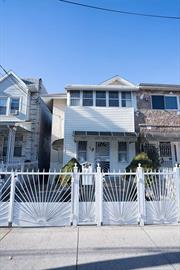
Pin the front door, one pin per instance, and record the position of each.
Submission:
(103, 155)
(165, 154)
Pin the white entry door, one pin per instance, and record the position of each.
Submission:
(103, 155)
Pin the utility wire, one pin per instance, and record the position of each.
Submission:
(120, 11)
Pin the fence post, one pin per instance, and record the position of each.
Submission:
(176, 172)
(140, 194)
(11, 201)
(75, 195)
(99, 196)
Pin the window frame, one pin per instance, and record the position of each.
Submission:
(164, 96)
(82, 151)
(100, 98)
(18, 144)
(122, 152)
(10, 100)
(112, 99)
(6, 99)
(75, 98)
(125, 99)
(85, 98)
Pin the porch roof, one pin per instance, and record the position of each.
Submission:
(125, 136)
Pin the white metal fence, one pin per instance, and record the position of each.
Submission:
(87, 197)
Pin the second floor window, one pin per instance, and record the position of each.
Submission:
(14, 106)
(114, 99)
(164, 102)
(126, 100)
(75, 98)
(101, 98)
(88, 98)
(3, 106)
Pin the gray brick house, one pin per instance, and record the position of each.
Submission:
(25, 123)
(157, 120)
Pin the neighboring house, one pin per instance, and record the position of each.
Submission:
(94, 123)
(158, 120)
(25, 123)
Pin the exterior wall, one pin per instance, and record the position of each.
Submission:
(164, 121)
(9, 88)
(94, 119)
(57, 133)
(36, 143)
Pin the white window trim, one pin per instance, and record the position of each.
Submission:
(6, 98)
(20, 104)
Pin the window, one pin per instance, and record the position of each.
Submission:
(82, 151)
(114, 99)
(87, 98)
(126, 100)
(122, 152)
(164, 102)
(3, 104)
(75, 98)
(165, 149)
(18, 145)
(14, 105)
(101, 98)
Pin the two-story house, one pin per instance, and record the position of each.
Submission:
(158, 120)
(25, 123)
(94, 123)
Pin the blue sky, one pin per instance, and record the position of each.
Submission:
(65, 44)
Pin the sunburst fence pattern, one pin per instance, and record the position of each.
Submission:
(161, 197)
(42, 199)
(120, 204)
(5, 187)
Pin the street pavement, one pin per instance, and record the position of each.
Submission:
(91, 248)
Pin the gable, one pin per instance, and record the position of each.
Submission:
(10, 85)
(117, 80)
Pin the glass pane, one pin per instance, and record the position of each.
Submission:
(17, 151)
(171, 103)
(82, 145)
(88, 94)
(114, 94)
(14, 105)
(3, 102)
(128, 103)
(126, 95)
(113, 103)
(122, 146)
(87, 102)
(158, 102)
(75, 94)
(100, 94)
(122, 157)
(75, 102)
(101, 102)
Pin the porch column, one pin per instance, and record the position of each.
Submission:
(10, 145)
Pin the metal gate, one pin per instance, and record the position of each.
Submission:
(5, 186)
(87, 186)
(120, 205)
(161, 198)
(42, 199)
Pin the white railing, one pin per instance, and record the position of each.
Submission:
(19, 166)
(29, 198)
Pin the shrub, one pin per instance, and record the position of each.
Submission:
(143, 159)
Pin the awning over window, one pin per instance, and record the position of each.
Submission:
(124, 136)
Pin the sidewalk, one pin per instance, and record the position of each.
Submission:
(95, 248)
